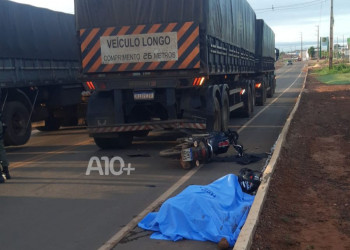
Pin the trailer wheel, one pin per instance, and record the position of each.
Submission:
(253, 95)
(52, 124)
(19, 127)
(122, 141)
(248, 102)
(274, 85)
(225, 112)
(141, 133)
(217, 116)
(271, 91)
(260, 101)
(214, 120)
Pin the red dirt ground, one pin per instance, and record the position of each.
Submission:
(308, 203)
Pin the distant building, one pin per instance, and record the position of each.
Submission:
(341, 51)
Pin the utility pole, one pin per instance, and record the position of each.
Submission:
(301, 46)
(317, 42)
(331, 38)
(337, 48)
(343, 50)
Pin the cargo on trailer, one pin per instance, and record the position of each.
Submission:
(169, 64)
(265, 46)
(129, 35)
(39, 68)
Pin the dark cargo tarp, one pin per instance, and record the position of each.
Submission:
(35, 33)
(202, 213)
(232, 21)
(265, 45)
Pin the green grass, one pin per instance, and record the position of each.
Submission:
(339, 74)
(335, 78)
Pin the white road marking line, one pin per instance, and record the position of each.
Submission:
(245, 237)
(112, 242)
(49, 154)
(34, 132)
(257, 126)
(266, 107)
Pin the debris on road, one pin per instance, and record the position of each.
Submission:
(139, 155)
(244, 160)
(204, 148)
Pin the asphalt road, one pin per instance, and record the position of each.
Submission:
(52, 204)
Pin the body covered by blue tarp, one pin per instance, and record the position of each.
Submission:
(202, 213)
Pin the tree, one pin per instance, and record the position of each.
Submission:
(311, 52)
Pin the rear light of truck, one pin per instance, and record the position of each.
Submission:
(198, 81)
(95, 86)
(242, 92)
(90, 85)
(257, 85)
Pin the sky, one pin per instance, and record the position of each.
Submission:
(292, 21)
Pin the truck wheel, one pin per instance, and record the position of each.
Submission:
(141, 133)
(274, 85)
(124, 140)
(248, 102)
(225, 112)
(260, 101)
(253, 95)
(52, 124)
(19, 127)
(272, 88)
(217, 116)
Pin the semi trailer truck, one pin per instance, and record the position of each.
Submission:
(171, 64)
(39, 68)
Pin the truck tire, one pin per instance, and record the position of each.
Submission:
(248, 104)
(124, 140)
(260, 101)
(19, 127)
(271, 91)
(51, 124)
(141, 133)
(216, 126)
(225, 112)
(274, 85)
(253, 94)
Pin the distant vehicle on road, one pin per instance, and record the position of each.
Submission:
(289, 62)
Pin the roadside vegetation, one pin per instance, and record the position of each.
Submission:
(339, 74)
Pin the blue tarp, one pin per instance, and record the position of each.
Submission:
(204, 213)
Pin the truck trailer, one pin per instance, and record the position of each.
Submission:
(171, 64)
(39, 68)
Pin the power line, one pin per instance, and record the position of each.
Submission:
(291, 6)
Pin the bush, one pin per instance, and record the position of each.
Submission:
(337, 69)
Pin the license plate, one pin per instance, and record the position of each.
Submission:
(186, 154)
(144, 95)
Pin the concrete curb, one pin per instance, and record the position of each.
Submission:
(245, 237)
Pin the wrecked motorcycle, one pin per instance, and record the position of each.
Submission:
(202, 148)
